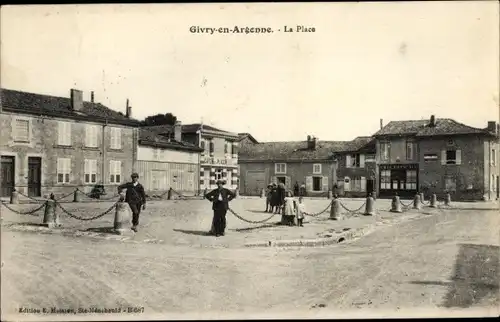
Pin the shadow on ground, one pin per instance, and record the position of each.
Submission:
(193, 232)
(102, 230)
(256, 227)
(474, 279)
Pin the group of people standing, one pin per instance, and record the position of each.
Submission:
(281, 201)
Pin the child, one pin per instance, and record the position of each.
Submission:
(269, 194)
(300, 212)
(289, 209)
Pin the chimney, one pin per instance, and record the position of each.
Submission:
(492, 127)
(381, 123)
(433, 121)
(311, 142)
(128, 111)
(178, 131)
(76, 100)
(92, 97)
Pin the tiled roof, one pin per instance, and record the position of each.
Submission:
(39, 104)
(186, 128)
(242, 136)
(297, 150)
(152, 138)
(443, 126)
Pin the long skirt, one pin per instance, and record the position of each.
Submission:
(218, 222)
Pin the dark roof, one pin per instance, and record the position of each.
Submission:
(443, 126)
(298, 151)
(40, 104)
(242, 136)
(151, 138)
(191, 128)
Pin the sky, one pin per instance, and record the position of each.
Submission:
(363, 63)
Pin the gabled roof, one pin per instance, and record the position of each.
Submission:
(186, 128)
(444, 126)
(151, 138)
(47, 105)
(298, 150)
(242, 136)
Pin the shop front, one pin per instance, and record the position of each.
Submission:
(400, 179)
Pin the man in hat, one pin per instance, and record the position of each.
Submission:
(220, 198)
(135, 197)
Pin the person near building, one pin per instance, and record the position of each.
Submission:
(269, 195)
(296, 189)
(300, 211)
(220, 198)
(289, 208)
(303, 189)
(280, 197)
(135, 196)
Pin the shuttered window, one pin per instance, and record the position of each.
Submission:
(451, 157)
(22, 131)
(116, 138)
(317, 168)
(91, 135)
(115, 171)
(64, 133)
(90, 171)
(280, 168)
(63, 170)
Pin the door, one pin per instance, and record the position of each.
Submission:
(8, 175)
(370, 184)
(254, 182)
(34, 177)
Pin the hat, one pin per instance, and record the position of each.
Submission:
(221, 182)
(135, 175)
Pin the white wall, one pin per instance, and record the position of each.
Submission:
(145, 153)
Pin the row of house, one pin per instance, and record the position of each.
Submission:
(54, 144)
(404, 157)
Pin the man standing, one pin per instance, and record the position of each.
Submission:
(135, 197)
(296, 189)
(220, 198)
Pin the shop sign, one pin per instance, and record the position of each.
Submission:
(398, 166)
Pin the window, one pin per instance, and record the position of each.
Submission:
(317, 168)
(493, 157)
(91, 136)
(430, 157)
(63, 170)
(280, 168)
(218, 174)
(352, 160)
(22, 131)
(115, 171)
(211, 146)
(411, 179)
(385, 179)
(116, 138)
(450, 184)
(90, 171)
(202, 144)
(493, 184)
(370, 158)
(451, 157)
(317, 183)
(64, 133)
(384, 151)
(409, 150)
(226, 148)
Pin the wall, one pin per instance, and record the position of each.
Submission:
(294, 172)
(469, 175)
(147, 153)
(44, 143)
(397, 151)
(368, 171)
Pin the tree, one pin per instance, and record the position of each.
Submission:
(160, 119)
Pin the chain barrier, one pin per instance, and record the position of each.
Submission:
(26, 196)
(29, 212)
(353, 211)
(86, 219)
(64, 196)
(183, 196)
(321, 212)
(404, 205)
(251, 221)
(88, 195)
(426, 203)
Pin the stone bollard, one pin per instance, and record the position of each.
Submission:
(330, 194)
(396, 204)
(335, 210)
(422, 197)
(416, 202)
(447, 200)
(76, 196)
(262, 193)
(370, 209)
(14, 197)
(433, 201)
(122, 218)
(50, 216)
(169, 194)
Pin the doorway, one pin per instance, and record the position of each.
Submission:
(7, 165)
(370, 185)
(34, 176)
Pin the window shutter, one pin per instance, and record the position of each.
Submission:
(325, 183)
(67, 135)
(443, 156)
(348, 161)
(363, 184)
(118, 138)
(309, 183)
(459, 157)
(60, 165)
(87, 167)
(361, 160)
(94, 135)
(60, 133)
(88, 136)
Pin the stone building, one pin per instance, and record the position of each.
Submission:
(54, 144)
(165, 161)
(219, 153)
(438, 156)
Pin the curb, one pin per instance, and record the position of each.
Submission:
(344, 236)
